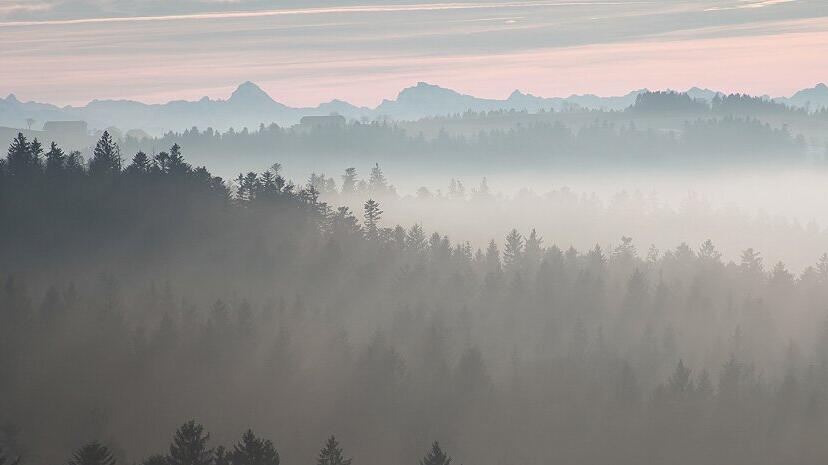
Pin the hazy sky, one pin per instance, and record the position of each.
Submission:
(306, 52)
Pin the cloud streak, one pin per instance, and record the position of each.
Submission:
(750, 4)
(363, 52)
(404, 8)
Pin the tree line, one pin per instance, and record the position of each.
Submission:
(714, 142)
(190, 446)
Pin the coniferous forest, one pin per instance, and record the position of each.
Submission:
(152, 313)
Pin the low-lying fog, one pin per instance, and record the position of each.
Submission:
(737, 209)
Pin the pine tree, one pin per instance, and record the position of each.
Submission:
(513, 251)
(253, 451)
(74, 163)
(708, 252)
(331, 454)
(373, 214)
(248, 186)
(92, 454)
(189, 446)
(822, 268)
(533, 247)
(751, 263)
(436, 456)
(268, 185)
(625, 251)
(161, 162)
(176, 165)
(483, 191)
(680, 383)
(492, 257)
(222, 456)
(415, 238)
(140, 164)
(349, 180)
(106, 158)
(55, 159)
(377, 184)
(20, 161)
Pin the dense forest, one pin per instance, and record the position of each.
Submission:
(717, 142)
(140, 293)
(665, 130)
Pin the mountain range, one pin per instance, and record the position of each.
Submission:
(249, 106)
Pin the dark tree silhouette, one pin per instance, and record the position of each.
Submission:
(189, 446)
(436, 456)
(55, 160)
(331, 454)
(253, 451)
(92, 454)
(21, 158)
(106, 158)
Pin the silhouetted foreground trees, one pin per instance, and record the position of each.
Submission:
(137, 294)
(191, 446)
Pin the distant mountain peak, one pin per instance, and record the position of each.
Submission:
(248, 91)
(818, 90)
(517, 94)
(424, 91)
(12, 98)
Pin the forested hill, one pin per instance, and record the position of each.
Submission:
(138, 294)
(538, 144)
(660, 130)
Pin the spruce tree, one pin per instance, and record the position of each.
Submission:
(372, 218)
(222, 456)
(106, 158)
(377, 182)
(36, 150)
(140, 164)
(331, 454)
(415, 238)
(189, 446)
(349, 180)
(514, 249)
(55, 159)
(176, 165)
(436, 456)
(92, 454)
(19, 159)
(253, 451)
(680, 384)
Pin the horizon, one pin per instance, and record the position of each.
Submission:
(303, 53)
(228, 95)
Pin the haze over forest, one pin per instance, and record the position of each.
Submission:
(601, 270)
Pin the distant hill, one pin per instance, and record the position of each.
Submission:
(249, 106)
(813, 98)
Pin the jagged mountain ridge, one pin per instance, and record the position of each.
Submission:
(249, 106)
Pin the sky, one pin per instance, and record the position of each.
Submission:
(307, 52)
